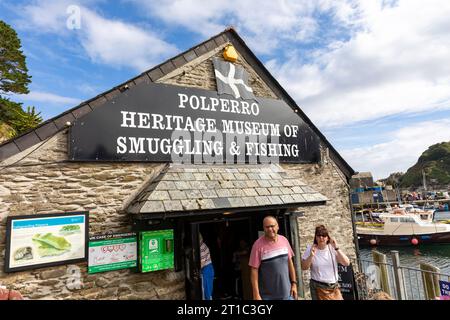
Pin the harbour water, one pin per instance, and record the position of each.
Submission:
(437, 255)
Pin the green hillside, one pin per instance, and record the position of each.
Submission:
(435, 162)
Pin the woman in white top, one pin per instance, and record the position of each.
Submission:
(322, 258)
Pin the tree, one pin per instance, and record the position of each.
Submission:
(14, 78)
(16, 118)
(13, 70)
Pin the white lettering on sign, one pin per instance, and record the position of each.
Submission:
(235, 139)
(211, 104)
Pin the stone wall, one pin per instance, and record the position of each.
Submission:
(44, 183)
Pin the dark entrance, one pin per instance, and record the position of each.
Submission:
(229, 238)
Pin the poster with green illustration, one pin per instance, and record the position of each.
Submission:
(156, 248)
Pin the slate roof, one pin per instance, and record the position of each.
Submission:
(182, 188)
(229, 35)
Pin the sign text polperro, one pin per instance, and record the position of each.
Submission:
(159, 123)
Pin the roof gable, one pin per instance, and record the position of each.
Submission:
(156, 74)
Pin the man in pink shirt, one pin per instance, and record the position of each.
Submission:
(272, 271)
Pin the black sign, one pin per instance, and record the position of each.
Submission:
(347, 282)
(166, 123)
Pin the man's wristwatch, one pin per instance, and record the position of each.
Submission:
(292, 282)
(336, 249)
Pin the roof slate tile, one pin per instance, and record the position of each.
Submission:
(206, 187)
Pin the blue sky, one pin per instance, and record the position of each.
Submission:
(372, 75)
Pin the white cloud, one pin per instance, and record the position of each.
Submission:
(401, 151)
(47, 97)
(343, 61)
(395, 62)
(121, 44)
(106, 41)
(265, 25)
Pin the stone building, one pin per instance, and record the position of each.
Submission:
(51, 170)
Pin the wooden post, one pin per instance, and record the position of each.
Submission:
(398, 276)
(380, 261)
(430, 281)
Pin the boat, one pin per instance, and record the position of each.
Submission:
(399, 227)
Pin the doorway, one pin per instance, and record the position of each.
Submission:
(229, 243)
(229, 239)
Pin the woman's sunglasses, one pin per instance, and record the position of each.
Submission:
(322, 235)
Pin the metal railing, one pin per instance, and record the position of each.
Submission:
(397, 281)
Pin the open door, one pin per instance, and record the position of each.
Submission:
(192, 262)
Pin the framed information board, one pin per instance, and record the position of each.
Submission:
(156, 250)
(43, 240)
